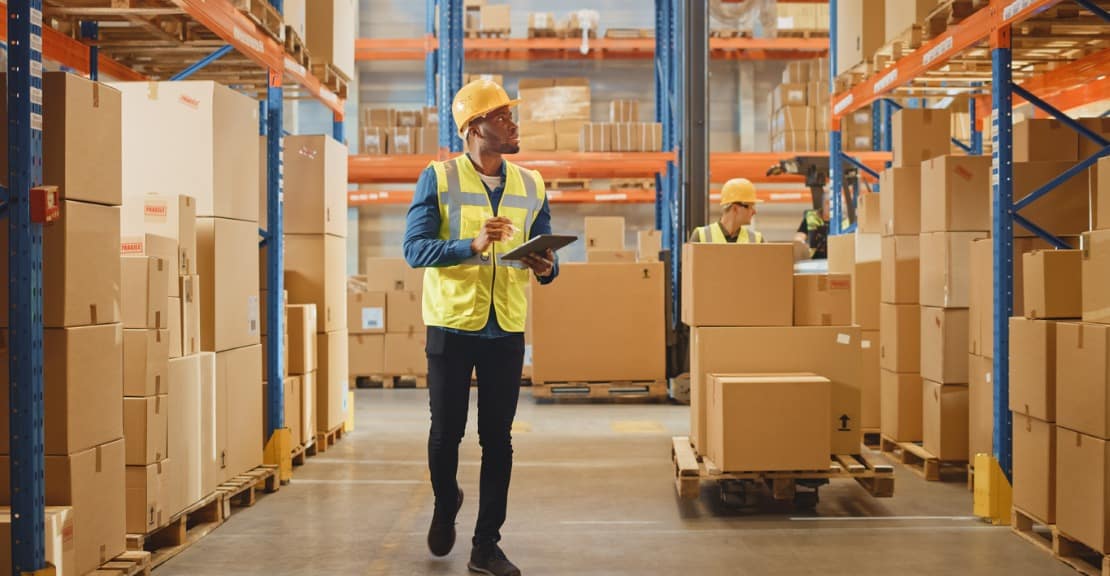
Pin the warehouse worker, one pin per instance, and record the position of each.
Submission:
(466, 212)
(738, 199)
(814, 232)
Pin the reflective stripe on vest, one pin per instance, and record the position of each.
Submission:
(713, 233)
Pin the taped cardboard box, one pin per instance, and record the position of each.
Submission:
(901, 203)
(153, 245)
(405, 354)
(146, 428)
(1045, 140)
(146, 486)
(331, 36)
(241, 369)
(900, 338)
(944, 345)
(227, 253)
(1082, 378)
(901, 399)
(366, 312)
(169, 216)
(711, 273)
(870, 377)
(403, 141)
(604, 232)
(610, 256)
(567, 135)
(145, 362)
(379, 117)
(822, 299)
(404, 312)
(842, 254)
(366, 354)
(649, 243)
(1053, 283)
(144, 286)
(789, 95)
(1096, 276)
(624, 111)
(316, 273)
(58, 532)
(302, 338)
(596, 137)
(944, 421)
(389, 274)
(901, 269)
(920, 134)
(945, 268)
(554, 99)
(1083, 488)
(537, 136)
(331, 383)
(980, 405)
(1033, 368)
(957, 197)
(315, 172)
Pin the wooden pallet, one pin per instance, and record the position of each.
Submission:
(727, 33)
(263, 14)
(1034, 530)
(325, 440)
(909, 40)
(947, 14)
(543, 33)
(242, 490)
(871, 438)
(131, 563)
(501, 33)
(568, 184)
(330, 76)
(390, 381)
(183, 529)
(1080, 556)
(632, 184)
(624, 33)
(632, 389)
(301, 453)
(918, 459)
(690, 470)
(803, 33)
(294, 46)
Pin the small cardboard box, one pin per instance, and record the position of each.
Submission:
(315, 169)
(869, 214)
(366, 354)
(944, 345)
(1096, 276)
(316, 273)
(596, 137)
(568, 135)
(146, 356)
(900, 207)
(331, 383)
(144, 284)
(624, 111)
(146, 488)
(711, 274)
(842, 254)
(747, 432)
(1033, 368)
(1045, 140)
(1053, 283)
(789, 95)
(957, 194)
(920, 134)
(403, 141)
(1082, 378)
(302, 338)
(496, 17)
(900, 337)
(945, 268)
(1083, 488)
(822, 299)
(1034, 467)
(227, 252)
(605, 233)
(366, 312)
(405, 354)
(241, 369)
(649, 243)
(374, 140)
(404, 312)
(162, 247)
(146, 428)
(944, 420)
(901, 270)
(901, 400)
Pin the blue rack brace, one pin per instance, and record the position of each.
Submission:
(25, 286)
(275, 252)
(1002, 185)
(200, 64)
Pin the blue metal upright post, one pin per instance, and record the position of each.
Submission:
(275, 252)
(835, 144)
(451, 57)
(1002, 187)
(337, 130)
(431, 56)
(976, 134)
(91, 31)
(25, 286)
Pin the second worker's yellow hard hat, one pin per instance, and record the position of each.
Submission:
(739, 190)
(476, 99)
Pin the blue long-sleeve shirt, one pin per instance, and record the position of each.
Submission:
(424, 249)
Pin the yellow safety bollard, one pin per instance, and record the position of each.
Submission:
(994, 496)
(349, 423)
(279, 452)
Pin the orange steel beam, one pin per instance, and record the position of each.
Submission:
(972, 30)
(637, 196)
(66, 51)
(754, 165)
(370, 49)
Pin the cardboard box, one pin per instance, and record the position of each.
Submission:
(746, 432)
(870, 376)
(190, 432)
(542, 21)
(907, 14)
(144, 283)
(1053, 283)
(1100, 191)
(145, 362)
(822, 299)
(980, 405)
(1034, 467)
(213, 413)
(982, 289)
(610, 256)
(169, 216)
(866, 295)
(596, 137)
(496, 17)
(308, 406)
(1045, 140)
(1096, 276)
(794, 119)
(901, 269)
(331, 34)
(624, 111)
(1082, 378)
(789, 95)
(58, 530)
(869, 216)
(944, 420)
(404, 312)
(316, 273)
(920, 134)
(944, 335)
(374, 140)
(145, 427)
(711, 273)
(429, 140)
(162, 247)
(315, 186)
(145, 497)
(403, 141)
(227, 252)
(796, 72)
(900, 337)
(190, 315)
(296, 16)
(388, 274)
(331, 383)
(291, 390)
(1082, 488)
(795, 141)
(832, 352)
(567, 135)
(176, 330)
(366, 312)
(92, 483)
(842, 254)
(649, 243)
(537, 136)
(901, 205)
(380, 117)
(241, 369)
(366, 354)
(957, 194)
(302, 338)
(626, 339)
(1069, 210)
(1033, 368)
(945, 268)
(605, 233)
(901, 401)
(567, 99)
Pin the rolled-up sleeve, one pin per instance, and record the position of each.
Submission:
(422, 245)
(542, 225)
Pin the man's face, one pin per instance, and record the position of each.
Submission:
(744, 212)
(497, 131)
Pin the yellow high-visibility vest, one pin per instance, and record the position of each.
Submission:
(714, 234)
(459, 296)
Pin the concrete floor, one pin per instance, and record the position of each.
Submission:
(592, 494)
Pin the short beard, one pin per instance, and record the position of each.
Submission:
(510, 148)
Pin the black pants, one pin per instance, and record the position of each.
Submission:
(451, 359)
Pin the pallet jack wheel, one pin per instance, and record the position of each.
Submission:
(806, 499)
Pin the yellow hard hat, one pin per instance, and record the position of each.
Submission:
(739, 190)
(476, 99)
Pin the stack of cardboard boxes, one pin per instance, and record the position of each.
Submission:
(385, 319)
(800, 108)
(861, 31)
(623, 133)
(605, 240)
(330, 36)
(398, 132)
(315, 260)
(302, 367)
(552, 113)
(82, 337)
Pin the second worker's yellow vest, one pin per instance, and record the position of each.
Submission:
(713, 233)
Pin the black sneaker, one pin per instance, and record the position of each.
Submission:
(491, 560)
(441, 536)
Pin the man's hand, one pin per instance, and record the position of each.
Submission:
(493, 230)
(542, 264)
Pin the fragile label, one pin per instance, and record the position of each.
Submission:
(843, 339)
(133, 247)
(190, 102)
(253, 326)
(373, 318)
(155, 210)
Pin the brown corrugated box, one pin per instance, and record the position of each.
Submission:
(146, 427)
(429, 140)
(900, 208)
(945, 268)
(861, 30)
(900, 399)
(596, 137)
(822, 299)
(568, 135)
(302, 338)
(648, 245)
(169, 216)
(794, 141)
(404, 312)
(957, 194)
(832, 352)
(789, 95)
(388, 274)
(331, 382)
(1033, 368)
(1034, 467)
(747, 432)
(537, 135)
(548, 99)
(496, 17)
(144, 283)
(794, 119)
(242, 370)
(1082, 378)
(866, 294)
(316, 273)
(870, 375)
(604, 232)
(1083, 488)
(1096, 276)
(901, 269)
(796, 72)
(900, 337)
(1045, 140)
(944, 420)
(712, 273)
(156, 246)
(292, 388)
(192, 430)
(920, 134)
(145, 362)
(315, 186)
(980, 405)
(944, 345)
(146, 497)
(405, 354)
(227, 252)
(366, 354)
(842, 254)
(869, 214)
(329, 35)
(1053, 283)
(403, 140)
(366, 312)
(379, 117)
(624, 111)
(58, 530)
(982, 289)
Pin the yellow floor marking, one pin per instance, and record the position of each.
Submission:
(637, 427)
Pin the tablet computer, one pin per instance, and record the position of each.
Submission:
(540, 244)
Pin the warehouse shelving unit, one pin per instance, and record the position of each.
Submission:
(174, 40)
(1002, 47)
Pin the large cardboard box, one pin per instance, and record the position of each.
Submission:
(404, 312)
(1045, 140)
(711, 274)
(213, 415)
(900, 337)
(227, 253)
(58, 530)
(904, 14)
(156, 246)
(901, 401)
(920, 134)
(144, 289)
(1082, 378)
(366, 312)
(649, 245)
(1096, 276)
(901, 270)
(241, 369)
(944, 344)
(842, 254)
(1034, 467)
(146, 487)
(982, 290)
(405, 354)
(956, 194)
(869, 214)
(92, 482)
(331, 383)
(330, 33)
(980, 405)
(747, 432)
(550, 99)
(315, 186)
(867, 294)
(945, 268)
(316, 273)
(291, 389)
(1082, 488)
(366, 354)
(83, 384)
(832, 352)
(944, 420)
(146, 356)
(1033, 368)
(173, 217)
(188, 428)
(1053, 282)
(861, 27)
(302, 338)
(1067, 212)
(176, 329)
(389, 274)
(870, 376)
(822, 300)
(205, 146)
(605, 233)
(190, 315)
(145, 427)
(626, 335)
(308, 407)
